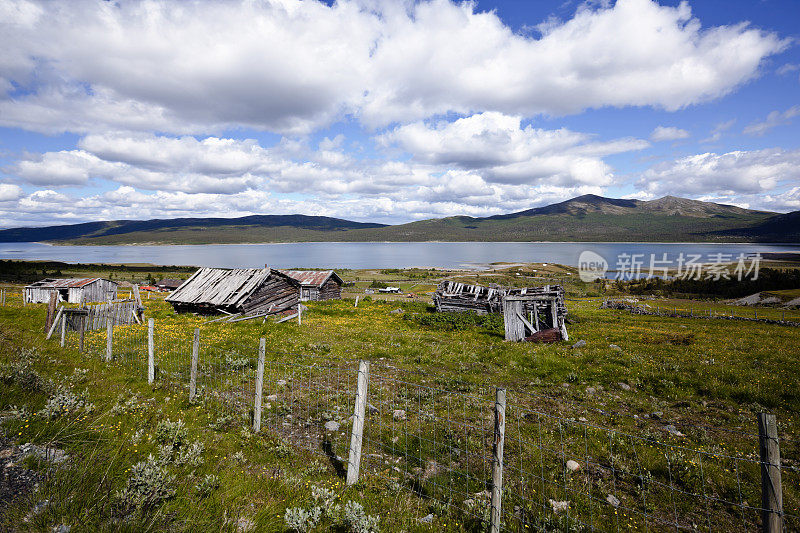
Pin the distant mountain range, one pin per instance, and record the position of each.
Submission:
(585, 218)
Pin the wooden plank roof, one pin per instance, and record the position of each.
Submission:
(313, 278)
(221, 287)
(65, 283)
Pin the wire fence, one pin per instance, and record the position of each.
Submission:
(564, 467)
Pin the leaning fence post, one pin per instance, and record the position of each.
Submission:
(356, 438)
(82, 327)
(193, 372)
(771, 492)
(262, 348)
(109, 337)
(63, 329)
(356, 305)
(151, 351)
(497, 457)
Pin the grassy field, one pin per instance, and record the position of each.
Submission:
(634, 376)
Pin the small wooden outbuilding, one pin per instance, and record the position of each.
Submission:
(247, 291)
(71, 290)
(169, 284)
(529, 313)
(317, 284)
(535, 316)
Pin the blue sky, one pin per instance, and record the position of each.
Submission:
(377, 110)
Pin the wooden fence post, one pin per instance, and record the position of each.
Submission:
(356, 305)
(497, 458)
(193, 372)
(262, 348)
(55, 323)
(109, 337)
(151, 351)
(299, 314)
(771, 492)
(81, 327)
(63, 329)
(51, 311)
(357, 437)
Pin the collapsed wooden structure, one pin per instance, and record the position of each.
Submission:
(317, 284)
(462, 297)
(535, 316)
(96, 316)
(528, 312)
(71, 290)
(242, 291)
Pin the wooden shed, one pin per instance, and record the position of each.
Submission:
(169, 284)
(317, 284)
(534, 316)
(246, 291)
(462, 297)
(71, 290)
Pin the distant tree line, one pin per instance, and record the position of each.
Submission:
(769, 279)
(29, 271)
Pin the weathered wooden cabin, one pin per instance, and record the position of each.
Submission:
(462, 297)
(246, 291)
(527, 311)
(71, 290)
(169, 284)
(535, 315)
(317, 284)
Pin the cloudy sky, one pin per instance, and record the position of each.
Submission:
(381, 110)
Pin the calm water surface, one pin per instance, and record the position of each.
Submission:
(369, 254)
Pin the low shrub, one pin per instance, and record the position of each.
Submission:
(149, 484)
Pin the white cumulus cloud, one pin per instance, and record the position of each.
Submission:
(668, 133)
(292, 66)
(733, 173)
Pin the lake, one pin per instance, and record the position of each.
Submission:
(474, 255)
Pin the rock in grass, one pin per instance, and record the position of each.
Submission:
(624, 386)
(243, 525)
(52, 455)
(673, 430)
(399, 414)
(559, 507)
(332, 425)
(580, 344)
(573, 466)
(615, 347)
(427, 519)
(613, 500)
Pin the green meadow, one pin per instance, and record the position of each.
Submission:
(143, 457)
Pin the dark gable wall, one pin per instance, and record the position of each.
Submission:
(277, 290)
(330, 290)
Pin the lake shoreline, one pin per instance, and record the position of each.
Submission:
(380, 255)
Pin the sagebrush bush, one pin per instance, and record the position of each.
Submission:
(22, 373)
(171, 433)
(358, 521)
(149, 484)
(207, 485)
(302, 520)
(66, 402)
